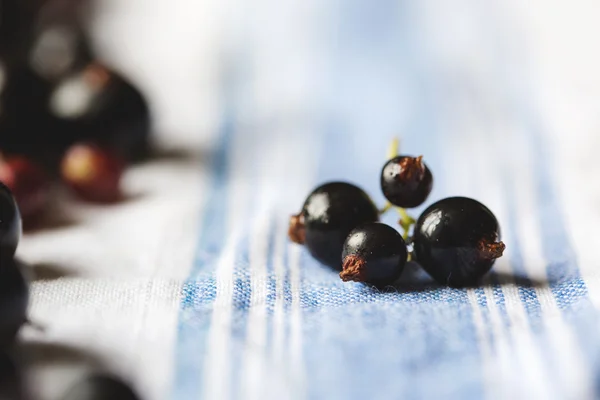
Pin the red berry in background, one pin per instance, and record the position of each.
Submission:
(29, 185)
(93, 173)
(10, 224)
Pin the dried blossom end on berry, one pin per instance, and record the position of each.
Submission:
(412, 168)
(297, 230)
(491, 250)
(353, 269)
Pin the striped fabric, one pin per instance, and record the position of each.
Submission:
(313, 91)
(192, 291)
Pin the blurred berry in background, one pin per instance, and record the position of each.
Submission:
(56, 95)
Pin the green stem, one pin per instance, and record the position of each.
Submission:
(387, 207)
(406, 222)
(394, 149)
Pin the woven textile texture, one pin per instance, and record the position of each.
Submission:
(501, 98)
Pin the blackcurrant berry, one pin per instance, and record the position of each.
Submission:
(16, 19)
(11, 380)
(10, 223)
(406, 181)
(329, 214)
(29, 185)
(457, 240)
(373, 253)
(58, 44)
(93, 173)
(97, 105)
(14, 298)
(27, 127)
(100, 387)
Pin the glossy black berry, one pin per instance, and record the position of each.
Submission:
(10, 223)
(457, 240)
(14, 298)
(373, 253)
(406, 181)
(329, 214)
(16, 19)
(11, 380)
(100, 387)
(26, 126)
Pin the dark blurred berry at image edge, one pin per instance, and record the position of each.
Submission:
(100, 387)
(10, 223)
(29, 184)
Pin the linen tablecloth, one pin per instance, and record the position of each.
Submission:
(191, 289)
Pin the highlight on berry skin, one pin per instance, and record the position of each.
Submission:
(93, 173)
(406, 181)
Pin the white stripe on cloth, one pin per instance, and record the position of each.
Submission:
(254, 363)
(106, 283)
(124, 325)
(572, 374)
(217, 362)
(523, 358)
(568, 104)
(296, 347)
(482, 338)
(514, 353)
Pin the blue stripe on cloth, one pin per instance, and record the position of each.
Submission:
(379, 344)
(513, 242)
(327, 339)
(563, 274)
(200, 290)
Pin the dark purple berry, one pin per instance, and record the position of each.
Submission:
(58, 43)
(93, 173)
(329, 214)
(26, 126)
(97, 105)
(100, 387)
(374, 253)
(16, 19)
(14, 299)
(10, 223)
(11, 378)
(457, 241)
(406, 181)
(29, 185)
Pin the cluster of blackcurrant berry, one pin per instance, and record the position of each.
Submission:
(14, 299)
(456, 240)
(64, 116)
